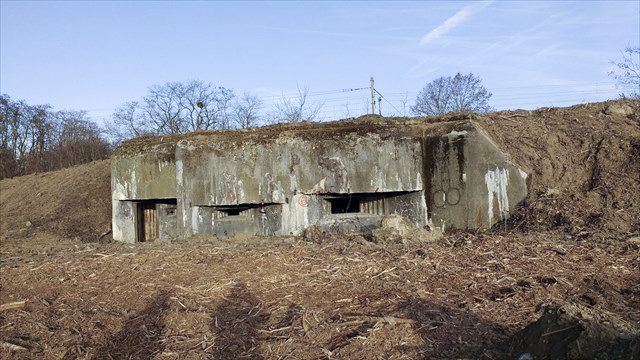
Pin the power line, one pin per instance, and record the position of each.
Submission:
(348, 90)
(506, 97)
(385, 99)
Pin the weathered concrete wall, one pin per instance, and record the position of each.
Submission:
(473, 184)
(139, 173)
(500, 184)
(124, 221)
(147, 174)
(282, 169)
(264, 182)
(263, 220)
(264, 172)
(167, 222)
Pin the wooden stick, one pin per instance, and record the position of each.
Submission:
(13, 305)
(11, 346)
(104, 234)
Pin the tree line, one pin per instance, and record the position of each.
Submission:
(34, 138)
(180, 107)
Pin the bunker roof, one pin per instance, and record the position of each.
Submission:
(307, 131)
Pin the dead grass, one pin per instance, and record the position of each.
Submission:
(341, 299)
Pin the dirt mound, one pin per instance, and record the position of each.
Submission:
(584, 163)
(73, 203)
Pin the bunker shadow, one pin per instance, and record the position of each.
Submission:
(141, 335)
(448, 332)
(236, 321)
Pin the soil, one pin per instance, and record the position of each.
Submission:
(560, 279)
(584, 164)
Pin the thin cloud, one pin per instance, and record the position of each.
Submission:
(453, 22)
(338, 34)
(509, 44)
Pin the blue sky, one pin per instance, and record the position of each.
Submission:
(96, 55)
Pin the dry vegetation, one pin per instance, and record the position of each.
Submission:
(573, 244)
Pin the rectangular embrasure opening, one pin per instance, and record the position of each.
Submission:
(363, 203)
(345, 205)
(236, 211)
(232, 212)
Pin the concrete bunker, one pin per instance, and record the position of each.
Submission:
(341, 176)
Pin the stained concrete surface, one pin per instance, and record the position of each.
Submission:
(344, 176)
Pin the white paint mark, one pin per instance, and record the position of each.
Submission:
(239, 192)
(134, 185)
(194, 219)
(319, 187)
(285, 223)
(457, 133)
(179, 179)
(305, 217)
(294, 182)
(119, 191)
(378, 179)
(497, 183)
(343, 173)
(278, 195)
(523, 174)
(185, 220)
(162, 164)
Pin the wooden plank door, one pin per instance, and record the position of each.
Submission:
(147, 222)
(150, 224)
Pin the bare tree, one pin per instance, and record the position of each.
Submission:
(204, 106)
(33, 138)
(452, 94)
(246, 110)
(24, 130)
(297, 109)
(127, 122)
(79, 140)
(365, 102)
(174, 108)
(405, 101)
(163, 109)
(347, 112)
(627, 73)
(224, 106)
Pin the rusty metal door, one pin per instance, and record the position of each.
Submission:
(148, 224)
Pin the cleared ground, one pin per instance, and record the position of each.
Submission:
(64, 293)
